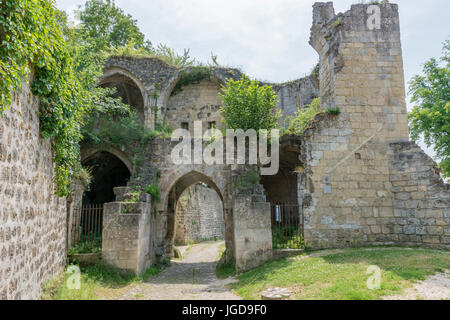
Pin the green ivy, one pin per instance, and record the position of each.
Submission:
(32, 41)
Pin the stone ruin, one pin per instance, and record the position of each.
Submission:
(356, 176)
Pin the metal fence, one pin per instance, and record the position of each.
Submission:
(86, 230)
(287, 226)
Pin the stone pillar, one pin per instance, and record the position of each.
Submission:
(251, 223)
(127, 235)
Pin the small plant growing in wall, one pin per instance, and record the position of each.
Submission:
(337, 23)
(334, 111)
(154, 191)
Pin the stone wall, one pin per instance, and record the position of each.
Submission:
(195, 102)
(348, 188)
(32, 217)
(199, 215)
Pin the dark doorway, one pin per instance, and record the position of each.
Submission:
(108, 172)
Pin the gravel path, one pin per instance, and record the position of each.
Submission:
(192, 278)
(436, 287)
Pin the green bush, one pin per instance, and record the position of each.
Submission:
(247, 105)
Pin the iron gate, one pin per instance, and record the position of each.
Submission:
(287, 226)
(86, 231)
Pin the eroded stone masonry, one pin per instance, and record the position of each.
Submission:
(32, 217)
(355, 176)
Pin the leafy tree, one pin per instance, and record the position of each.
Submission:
(106, 29)
(107, 26)
(430, 116)
(247, 105)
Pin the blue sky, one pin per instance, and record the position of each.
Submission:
(268, 39)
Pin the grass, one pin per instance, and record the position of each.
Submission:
(343, 276)
(97, 282)
(224, 269)
(89, 243)
(287, 237)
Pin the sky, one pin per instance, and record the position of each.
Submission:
(268, 39)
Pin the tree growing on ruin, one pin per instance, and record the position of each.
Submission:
(430, 116)
(247, 105)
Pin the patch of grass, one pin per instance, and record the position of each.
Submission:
(343, 276)
(96, 282)
(287, 237)
(223, 269)
(89, 243)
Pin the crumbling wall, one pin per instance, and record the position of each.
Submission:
(32, 217)
(199, 215)
(347, 189)
(295, 95)
(422, 199)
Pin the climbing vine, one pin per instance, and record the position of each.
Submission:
(32, 41)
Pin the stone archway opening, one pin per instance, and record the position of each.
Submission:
(108, 172)
(282, 191)
(199, 215)
(127, 90)
(195, 212)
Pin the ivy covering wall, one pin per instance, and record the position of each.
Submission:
(32, 41)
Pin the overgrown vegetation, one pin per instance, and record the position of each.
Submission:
(193, 75)
(343, 276)
(300, 122)
(97, 282)
(287, 237)
(66, 62)
(32, 41)
(121, 129)
(430, 117)
(154, 190)
(89, 243)
(247, 105)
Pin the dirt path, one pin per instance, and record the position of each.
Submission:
(193, 277)
(436, 287)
